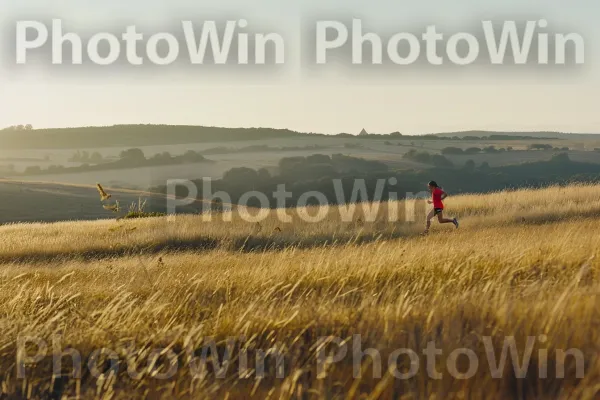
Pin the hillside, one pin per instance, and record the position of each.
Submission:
(50, 202)
(159, 296)
(132, 135)
(526, 134)
(156, 135)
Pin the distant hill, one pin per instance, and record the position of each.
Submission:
(156, 135)
(133, 135)
(527, 134)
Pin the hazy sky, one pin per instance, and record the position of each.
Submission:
(338, 98)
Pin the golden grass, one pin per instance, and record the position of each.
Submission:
(522, 264)
(107, 237)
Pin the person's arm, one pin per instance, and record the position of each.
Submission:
(444, 195)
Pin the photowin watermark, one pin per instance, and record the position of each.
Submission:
(493, 42)
(236, 357)
(240, 42)
(210, 42)
(372, 200)
(460, 363)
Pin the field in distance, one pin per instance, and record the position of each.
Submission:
(31, 149)
(153, 292)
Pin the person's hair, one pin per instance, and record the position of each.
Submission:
(433, 184)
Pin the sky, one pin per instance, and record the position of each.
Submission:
(334, 98)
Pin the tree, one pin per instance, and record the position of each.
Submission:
(441, 161)
(318, 159)
(322, 170)
(241, 176)
(96, 158)
(162, 158)
(490, 149)
(28, 127)
(133, 155)
(263, 174)
(473, 150)
(452, 150)
(470, 165)
(289, 164)
(540, 146)
(192, 156)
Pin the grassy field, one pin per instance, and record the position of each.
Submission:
(155, 293)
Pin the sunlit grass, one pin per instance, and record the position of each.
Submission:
(522, 264)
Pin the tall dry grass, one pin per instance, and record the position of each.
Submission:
(506, 272)
(30, 242)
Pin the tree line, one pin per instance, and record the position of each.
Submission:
(317, 173)
(130, 158)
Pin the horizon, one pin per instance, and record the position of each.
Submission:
(34, 128)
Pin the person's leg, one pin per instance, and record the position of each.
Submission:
(443, 220)
(429, 218)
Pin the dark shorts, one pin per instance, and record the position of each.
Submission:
(437, 211)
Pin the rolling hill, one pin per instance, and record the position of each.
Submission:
(155, 135)
(51, 202)
(524, 134)
(132, 135)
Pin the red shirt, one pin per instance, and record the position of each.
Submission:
(437, 198)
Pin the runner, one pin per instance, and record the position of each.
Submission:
(438, 195)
